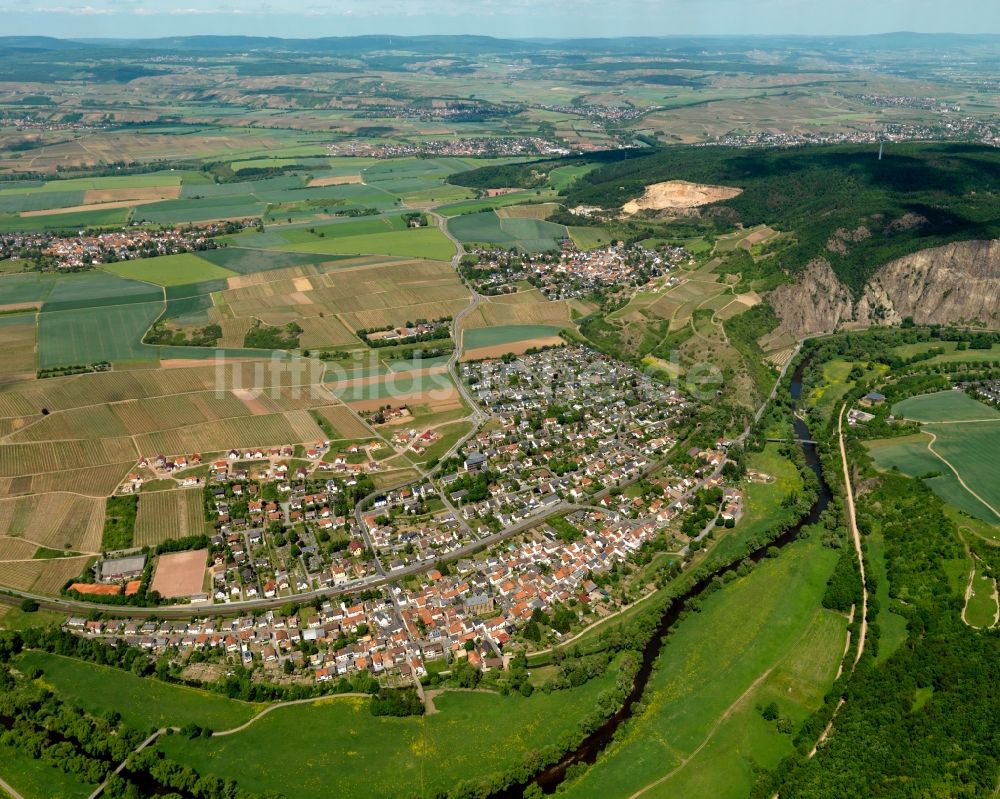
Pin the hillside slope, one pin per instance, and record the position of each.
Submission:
(954, 283)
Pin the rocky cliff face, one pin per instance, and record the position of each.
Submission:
(956, 283)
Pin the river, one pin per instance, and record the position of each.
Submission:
(551, 777)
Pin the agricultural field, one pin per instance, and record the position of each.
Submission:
(490, 342)
(170, 270)
(55, 521)
(487, 227)
(954, 451)
(166, 515)
(700, 733)
(17, 359)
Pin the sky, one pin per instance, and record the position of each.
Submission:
(505, 18)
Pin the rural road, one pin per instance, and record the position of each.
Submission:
(121, 766)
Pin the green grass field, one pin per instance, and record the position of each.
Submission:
(951, 352)
(749, 645)
(34, 779)
(980, 610)
(142, 702)
(170, 270)
(910, 455)
(944, 406)
(952, 434)
(335, 747)
(427, 242)
(505, 334)
(532, 235)
(87, 335)
(589, 238)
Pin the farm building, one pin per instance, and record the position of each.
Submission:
(122, 568)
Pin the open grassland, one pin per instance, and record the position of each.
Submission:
(700, 733)
(430, 754)
(143, 703)
(951, 352)
(170, 270)
(166, 515)
(56, 521)
(981, 600)
(955, 451)
(36, 779)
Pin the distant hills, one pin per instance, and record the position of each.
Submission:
(437, 45)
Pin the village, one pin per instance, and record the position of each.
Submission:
(478, 147)
(570, 272)
(83, 250)
(539, 524)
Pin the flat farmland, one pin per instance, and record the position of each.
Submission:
(93, 481)
(944, 406)
(487, 227)
(89, 335)
(56, 572)
(518, 310)
(425, 242)
(55, 521)
(170, 270)
(17, 358)
(167, 515)
(508, 334)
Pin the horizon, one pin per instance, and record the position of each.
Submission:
(518, 19)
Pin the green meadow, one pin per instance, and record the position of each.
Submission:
(700, 733)
(143, 702)
(335, 747)
(170, 270)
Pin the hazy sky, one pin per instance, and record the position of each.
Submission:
(551, 18)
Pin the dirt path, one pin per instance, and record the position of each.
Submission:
(6, 787)
(855, 536)
(711, 733)
(278, 705)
